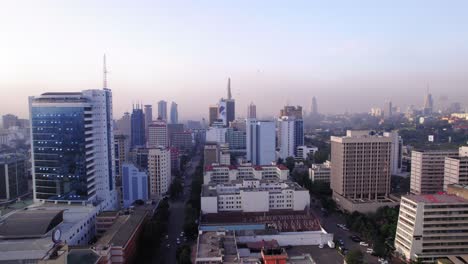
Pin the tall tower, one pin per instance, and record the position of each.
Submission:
(162, 110)
(138, 127)
(261, 141)
(227, 107)
(174, 113)
(148, 118)
(252, 111)
(314, 108)
(428, 103)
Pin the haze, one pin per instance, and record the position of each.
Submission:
(350, 56)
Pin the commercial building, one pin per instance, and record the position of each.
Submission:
(427, 170)
(139, 157)
(13, 177)
(9, 120)
(148, 118)
(72, 147)
(212, 114)
(314, 107)
(121, 147)
(162, 110)
(286, 137)
(252, 111)
(253, 195)
(124, 126)
(216, 134)
(138, 138)
(159, 171)
(320, 172)
(174, 113)
(182, 140)
(455, 171)
(157, 134)
(226, 174)
(396, 155)
(360, 171)
(210, 154)
(134, 185)
(304, 152)
(432, 227)
(292, 111)
(236, 138)
(261, 141)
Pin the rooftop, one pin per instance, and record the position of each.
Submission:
(80, 256)
(30, 223)
(436, 198)
(221, 245)
(123, 228)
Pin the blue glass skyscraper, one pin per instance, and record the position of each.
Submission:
(138, 128)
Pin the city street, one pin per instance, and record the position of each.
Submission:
(167, 254)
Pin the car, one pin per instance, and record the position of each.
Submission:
(369, 250)
(320, 245)
(355, 238)
(168, 245)
(345, 228)
(341, 242)
(364, 244)
(178, 242)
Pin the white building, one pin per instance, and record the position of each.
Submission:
(261, 141)
(320, 172)
(157, 134)
(72, 147)
(253, 195)
(455, 171)
(226, 174)
(286, 135)
(159, 171)
(431, 227)
(134, 185)
(396, 153)
(216, 134)
(303, 152)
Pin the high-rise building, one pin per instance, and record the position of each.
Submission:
(397, 146)
(72, 147)
(290, 135)
(216, 134)
(121, 148)
(148, 118)
(427, 170)
(172, 129)
(134, 185)
(432, 227)
(236, 138)
(138, 138)
(252, 111)
(174, 113)
(428, 104)
(230, 105)
(388, 109)
(455, 171)
(124, 125)
(139, 157)
(210, 154)
(9, 120)
(360, 170)
(159, 171)
(314, 107)
(157, 134)
(162, 110)
(182, 140)
(213, 114)
(260, 141)
(13, 177)
(292, 111)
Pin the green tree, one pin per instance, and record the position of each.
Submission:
(355, 257)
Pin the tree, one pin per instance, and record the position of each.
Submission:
(184, 255)
(355, 257)
(290, 163)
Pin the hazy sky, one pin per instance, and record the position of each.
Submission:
(351, 55)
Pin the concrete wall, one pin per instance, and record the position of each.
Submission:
(209, 204)
(309, 238)
(255, 201)
(301, 200)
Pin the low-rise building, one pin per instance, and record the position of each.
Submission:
(320, 172)
(252, 195)
(455, 171)
(13, 178)
(304, 152)
(225, 174)
(432, 227)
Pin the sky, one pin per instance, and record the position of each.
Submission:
(351, 55)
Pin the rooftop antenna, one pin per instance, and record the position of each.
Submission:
(105, 72)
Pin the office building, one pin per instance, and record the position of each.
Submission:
(158, 134)
(226, 174)
(175, 159)
(72, 147)
(427, 170)
(320, 172)
(252, 111)
(455, 171)
(121, 148)
(253, 196)
(159, 171)
(236, 138)
(230, 105)
(396, 156)
(388, 109)
(9, 120)
(174, 113)
(182, 140)
(138, 138)
(134, 185)
(148, 118)
(314, 107)
(238, 124)
(162, 110)
(428, 104)
(261, 142)
(216, 134)
(291, 136)
(432, 227)
(360, 171)
(124, 125)
(174, 128)
(212, 114)
(305, 152)
(210, 154)
(13, 177)
(292, 111)
(139, 157)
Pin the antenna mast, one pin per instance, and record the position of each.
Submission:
(105, 73)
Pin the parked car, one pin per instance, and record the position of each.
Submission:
(341, 242)
(355, 238)
(320, 245)
(369, 250)
(364, 244)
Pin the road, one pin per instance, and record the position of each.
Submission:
(167, 254)
(329, 224)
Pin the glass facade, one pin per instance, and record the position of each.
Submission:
(60, 153)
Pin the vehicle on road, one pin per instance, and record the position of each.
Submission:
(167, 236)
(168, 245)
(320, 245)
(369, 250)
(331, 244)
(364, 244)
(355, 238)
(341, 242)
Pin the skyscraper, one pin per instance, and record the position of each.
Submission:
(162, 110)
(174, 113)
(124, 125)
(138, 127)
(289, 110)
(291, 131)
(157, 134)
(212, 114)
(9, 120)
(227, 107)
(252, 111)
(159, 171)
(72, 147)
(13, 177)
(314, 107)
(388, 109)
(148, 118)
(260, 141)
(428, 104)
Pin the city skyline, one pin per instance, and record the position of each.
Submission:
(180, 51)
